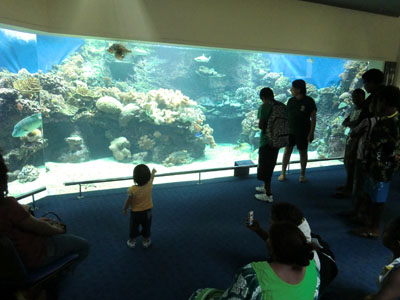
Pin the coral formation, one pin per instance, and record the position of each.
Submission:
(28, 173)
(178, 158)
(146, 143)
(34, 136)
(109, 105)
(27, 86)
(120, 148)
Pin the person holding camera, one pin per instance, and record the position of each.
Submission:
(38, 242)
(289, 274)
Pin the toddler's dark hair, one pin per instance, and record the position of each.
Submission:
(284, 211)
(266, 93)
(359, 92)
(141, 174)
(289, 245)
(374, 76)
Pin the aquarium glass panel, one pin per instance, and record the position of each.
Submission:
(109, 105)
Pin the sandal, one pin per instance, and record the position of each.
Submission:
(364, 233)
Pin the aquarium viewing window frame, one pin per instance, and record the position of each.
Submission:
(197, 48)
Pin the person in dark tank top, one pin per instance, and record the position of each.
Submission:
(302, 114)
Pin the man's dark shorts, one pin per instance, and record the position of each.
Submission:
(300, 141)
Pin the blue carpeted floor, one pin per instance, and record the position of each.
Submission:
(200, 238)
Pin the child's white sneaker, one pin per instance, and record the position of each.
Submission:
(264, 197)
(260, 189)
(131, 244)
(146, 244)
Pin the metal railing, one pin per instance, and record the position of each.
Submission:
(31, 193)
(200, 171)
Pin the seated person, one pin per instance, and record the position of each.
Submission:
(323, 256)
(37, 241)
(389, 279)
(290, 273)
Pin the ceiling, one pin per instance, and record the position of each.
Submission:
(382, 7)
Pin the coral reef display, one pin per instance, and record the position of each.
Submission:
(153, 104)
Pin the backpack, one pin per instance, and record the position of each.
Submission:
(278, 126)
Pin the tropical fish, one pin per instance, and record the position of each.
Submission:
(118, 50)
(202, 59)
(258, 134)
(198, 134)
(140, 51)
(27, 125)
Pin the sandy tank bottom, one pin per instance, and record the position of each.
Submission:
(54, 175)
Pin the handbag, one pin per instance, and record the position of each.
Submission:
(53, 218)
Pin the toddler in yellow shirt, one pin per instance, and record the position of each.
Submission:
(140, 204)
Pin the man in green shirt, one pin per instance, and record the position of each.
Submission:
(267, 155)
(302, 113)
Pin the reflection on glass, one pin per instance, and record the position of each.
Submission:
(106, 105)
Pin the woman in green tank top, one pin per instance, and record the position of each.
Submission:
(290, 273)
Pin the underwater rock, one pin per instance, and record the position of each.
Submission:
(109, 104)
(53, 84)
(74, 142)
(178, 158)
(282, 85)
(9, 94)
(120, 148)
(271, 78)
(6, 82)
(344, 96)
(139, 157)
(281, 98)
(205, 101)
(128, 113)
(28, 173)
(78, 152)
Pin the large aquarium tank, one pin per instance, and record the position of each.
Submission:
(75, 109)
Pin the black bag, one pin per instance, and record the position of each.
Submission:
(53, 218)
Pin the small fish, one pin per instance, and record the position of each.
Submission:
(27, 125)
(258, 134)
(202, 59)
(198, 134)
(118, 50)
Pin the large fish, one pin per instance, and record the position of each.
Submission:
(202, 59)
(27, 125)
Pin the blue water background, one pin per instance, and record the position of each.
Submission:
(34, 52)
(323, 73)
